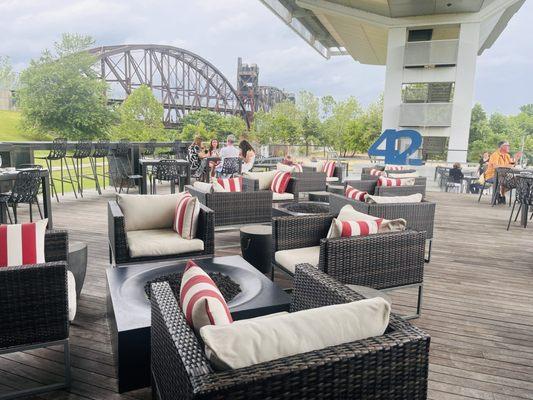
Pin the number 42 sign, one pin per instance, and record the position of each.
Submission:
(393, 156)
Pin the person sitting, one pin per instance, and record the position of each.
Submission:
(287, 160)
(194, 155)
(247, 155)
(455, 176)
(500, 158)
(213, 151)
(228, 151)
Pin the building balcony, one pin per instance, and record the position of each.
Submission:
(426, 114)
(431, 53)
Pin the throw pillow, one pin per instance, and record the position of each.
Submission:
(201, 300)
(355, 194)
(203, 186)
(413, 198)
(259, 340)
(329, 168)
(186, 216)
(382, 181)
(355, 228)
(298, 167)
(22, 244)
(348, 213)
(231, 184)
(377, 172)
(284, 168)
(280, 182)
(403, 175)
(264, 179)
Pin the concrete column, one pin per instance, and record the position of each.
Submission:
(392, 97)
(463, 92)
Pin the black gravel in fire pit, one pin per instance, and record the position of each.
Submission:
(225, 284)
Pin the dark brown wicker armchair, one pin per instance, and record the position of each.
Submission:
(381, 261)
(118, 244)
(419, 216)
(236, 208)
(393, 366)
(313, 181)
(34, 307)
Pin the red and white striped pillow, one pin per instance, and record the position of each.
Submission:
(186, 216)
(355, 194)
(357, 228)
(280, 182)
(394, 167)
(383, 181)
(231, 184)
(22, 244)
(377, 172)
(298, 167)
(200, 300)
(329, 168)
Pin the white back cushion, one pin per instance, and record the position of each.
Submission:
(413, 198)
(143, 212)
(285, 168)
(255, 341)
(203, 186)
(265, 178)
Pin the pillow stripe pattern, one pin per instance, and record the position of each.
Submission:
(382, 181)
(394, 168)
(186, 216)
(329, 168)
(360, 228)
(22, 244)
(280, 182)
(200, 300)
(231, 184)
(355, 194)
(298, 168)
(377, 172)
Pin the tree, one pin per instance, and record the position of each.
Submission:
(309, 107)
(61, 94)
(140, 117)
(216, 125)
(336, 132)
(7, 75)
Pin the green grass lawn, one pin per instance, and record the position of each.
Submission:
(10, 127)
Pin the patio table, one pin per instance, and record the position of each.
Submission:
(144, 163)
(11, 175)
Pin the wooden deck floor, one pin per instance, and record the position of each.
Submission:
(478, 307)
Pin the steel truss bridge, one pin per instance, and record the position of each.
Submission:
(181, 80)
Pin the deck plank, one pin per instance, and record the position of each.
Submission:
(477, 307)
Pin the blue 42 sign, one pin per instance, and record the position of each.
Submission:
(391, 154)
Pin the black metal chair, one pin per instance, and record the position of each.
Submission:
(83, 151)
(523, 195)
(173, 152)
(24, 191)
(101, 152)
(58, 152)
(165, 170)
(230, 167)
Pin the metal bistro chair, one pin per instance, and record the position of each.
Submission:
(523, 195)
(101, 152)
(173, 152)
(120, 168)
(504, 178)
(230, 167)
(165, 170)
(58, 152)
(82, 151)
(24, 191)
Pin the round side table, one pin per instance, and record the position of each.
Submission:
(256, 246)
(77, 263)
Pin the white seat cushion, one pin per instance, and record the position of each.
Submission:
(256, 341)
(142, 211)
(203, 187)
(289, 258)
(282, 196)
(332, 179)
(71, 295)
(160, 242)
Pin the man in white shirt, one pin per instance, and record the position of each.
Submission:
(228, 151)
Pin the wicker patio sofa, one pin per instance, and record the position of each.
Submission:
(393, 366)
(371, 186)
(28, 321)
(236, 208)
(292, 191)
(380, 261)
(419, 216)
(119, 251)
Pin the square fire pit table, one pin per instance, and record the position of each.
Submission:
(129, 311)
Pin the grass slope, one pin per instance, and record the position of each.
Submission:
(10, 127)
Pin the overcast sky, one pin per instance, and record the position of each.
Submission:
(222, 30)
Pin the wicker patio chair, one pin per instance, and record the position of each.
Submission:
(236, 208)
(293, 187)
(420, 180)
(370, 186)
(419, 216)
(393, 366)
(313, 181)
(380, 261)
(118, 244)
(34, 307)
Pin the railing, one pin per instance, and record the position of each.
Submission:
(433, 52)
(426, 114)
